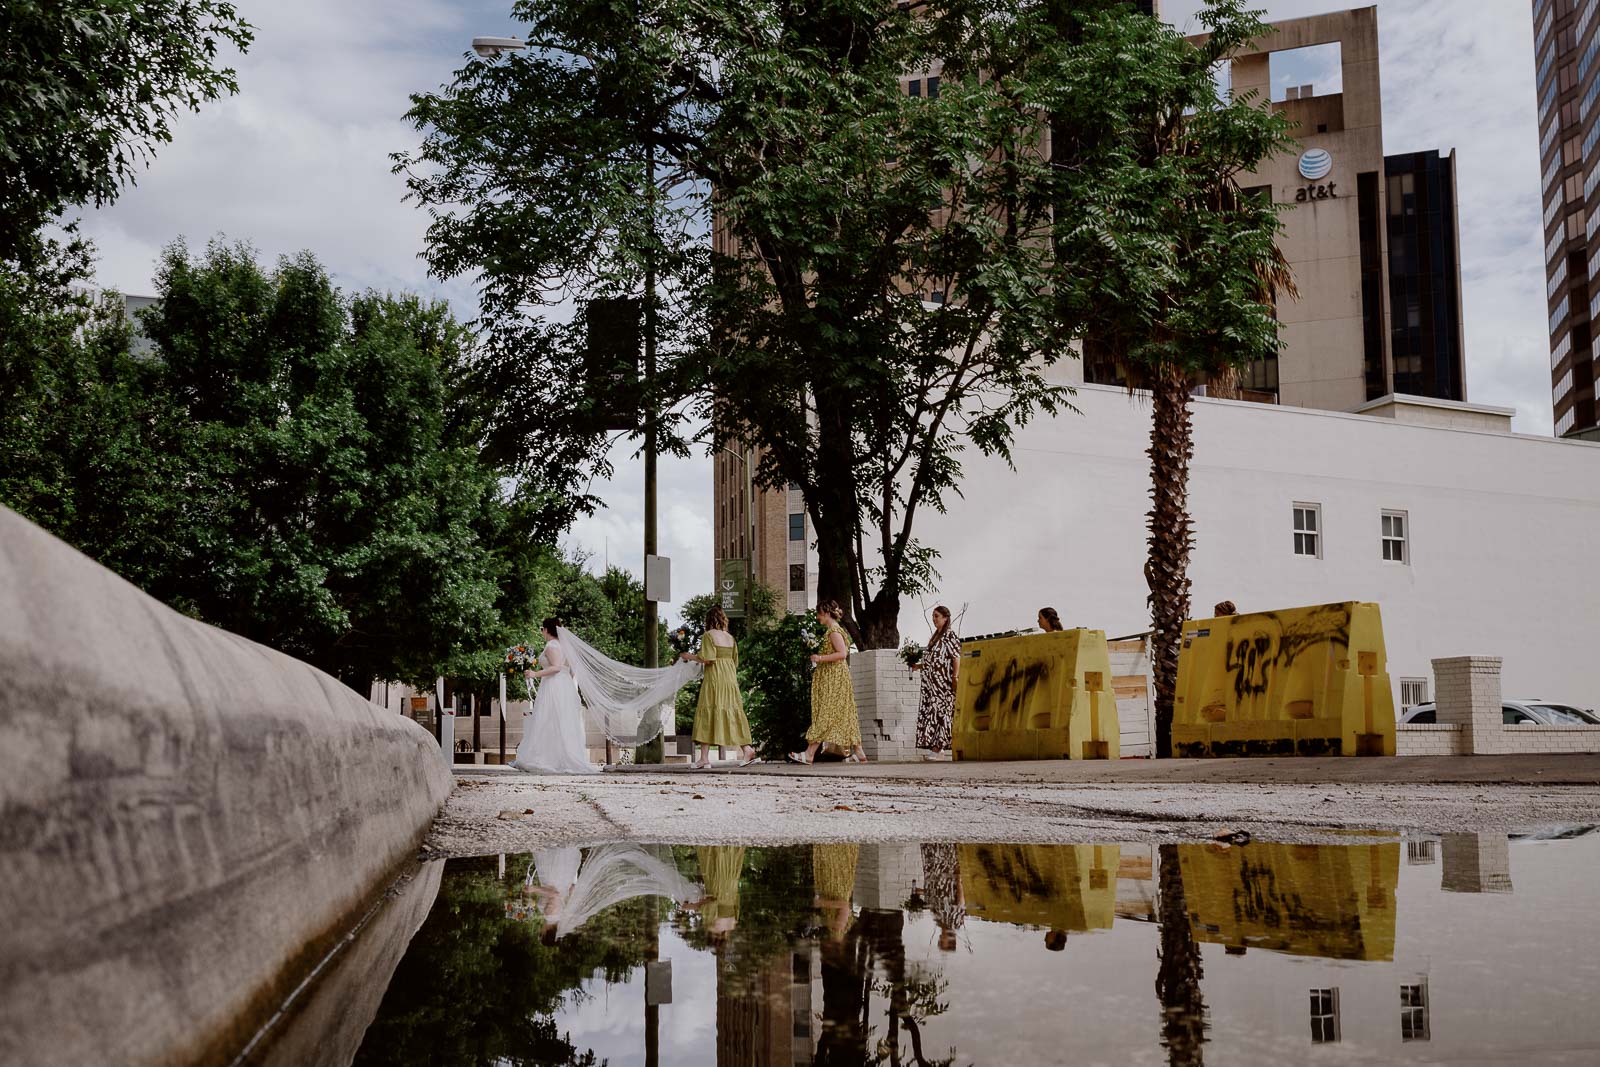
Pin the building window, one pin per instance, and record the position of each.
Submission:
(1394, 537)
(1414, 1012)
(1421, 853)
(914, 87)
(933, 88)
(797, 577)
(797, 526)
(1308, 530)
(1324, 1016)
(1413, 691)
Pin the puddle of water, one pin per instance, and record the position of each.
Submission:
(1465, 947)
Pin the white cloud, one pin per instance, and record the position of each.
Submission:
(1460, 75)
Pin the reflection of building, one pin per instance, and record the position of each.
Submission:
(764, 1019)
(1476, 863)
(1062, 887)
(1333, 901)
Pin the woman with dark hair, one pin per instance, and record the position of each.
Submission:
(941, 668)
(833, 700)
(719, 717)
(554, 737)
(1049, 621)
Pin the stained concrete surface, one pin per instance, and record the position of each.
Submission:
(495, 810)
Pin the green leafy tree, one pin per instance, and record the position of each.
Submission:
(88, 91)
(1187, 263)
(840, 204)
(479, 986)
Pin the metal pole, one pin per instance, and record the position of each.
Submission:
(653, 751)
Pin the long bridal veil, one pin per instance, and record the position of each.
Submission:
(609, 874)
(630, 704)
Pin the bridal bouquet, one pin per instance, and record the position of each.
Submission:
(912, 652)
(520, 658)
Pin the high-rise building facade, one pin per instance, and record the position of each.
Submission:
(1566, 56)
(1372, 239)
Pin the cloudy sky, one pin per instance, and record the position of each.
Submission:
(299, 160)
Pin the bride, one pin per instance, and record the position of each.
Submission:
(553, 735)
(629, 704)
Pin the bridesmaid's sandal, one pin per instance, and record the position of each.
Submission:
(751, 762)
(796, 757)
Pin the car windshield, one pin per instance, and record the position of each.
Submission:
(1565, 715)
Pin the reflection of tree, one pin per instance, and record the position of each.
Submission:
(477, 987)
(1183, 1009)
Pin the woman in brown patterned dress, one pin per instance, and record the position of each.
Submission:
(941, 888)
(940, 667)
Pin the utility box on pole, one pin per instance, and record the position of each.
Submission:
(658, 579)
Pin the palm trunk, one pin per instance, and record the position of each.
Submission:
(1183, 1008)
(1166, 570)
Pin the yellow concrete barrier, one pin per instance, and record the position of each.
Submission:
(1036, 696)
(1301, 681)
(1059, 887)
(1332, 901)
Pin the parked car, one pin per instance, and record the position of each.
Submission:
(1515, 712)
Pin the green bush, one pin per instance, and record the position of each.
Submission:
(775, 675)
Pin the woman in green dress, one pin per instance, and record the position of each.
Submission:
(833, 699)
(719, 717)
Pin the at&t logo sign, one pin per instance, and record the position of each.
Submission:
(1315, 165)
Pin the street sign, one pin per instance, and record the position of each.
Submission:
(658, 579)
(733, 584)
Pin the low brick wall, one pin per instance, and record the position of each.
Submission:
(1527, 737)
(188, 820)
(1427, 739)
(886, 702)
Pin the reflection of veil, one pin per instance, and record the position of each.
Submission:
(608, 875)
(629, 704)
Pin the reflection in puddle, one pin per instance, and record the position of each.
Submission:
(1004, 954)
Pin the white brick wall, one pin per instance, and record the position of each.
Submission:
(1427, 739)
(1467, 694)
(885, 875)
(886, 702)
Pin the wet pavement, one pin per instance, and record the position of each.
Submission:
(1401, 948)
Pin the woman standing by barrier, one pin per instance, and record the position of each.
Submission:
(1049, 621)
(833, 700)
(941, 668)
(719, 717)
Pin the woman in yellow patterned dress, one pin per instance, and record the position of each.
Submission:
(719, 717)
(833, 700)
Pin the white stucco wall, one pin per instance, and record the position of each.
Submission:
(1504, 532)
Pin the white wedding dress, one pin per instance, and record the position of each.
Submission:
(553, 734)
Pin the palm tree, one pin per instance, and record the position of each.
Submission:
(1185, 264)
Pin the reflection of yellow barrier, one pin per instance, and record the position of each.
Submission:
(1036, 696)
(1062, 887)
(1302, 681)
(1333, 901)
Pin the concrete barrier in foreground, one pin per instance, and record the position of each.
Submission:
(188, 820)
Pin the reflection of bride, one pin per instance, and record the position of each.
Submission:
(629, 704)
(572, 892)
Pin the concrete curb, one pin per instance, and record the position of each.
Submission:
(188, 820)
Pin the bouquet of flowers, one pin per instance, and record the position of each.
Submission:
(681, 641)
(520, 658)
(912, 652)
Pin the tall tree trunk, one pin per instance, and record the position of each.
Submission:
(835, 510)
(1183, 1007)
(880, 621)
(1166, 569)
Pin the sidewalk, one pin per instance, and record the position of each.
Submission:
(1521, 769)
